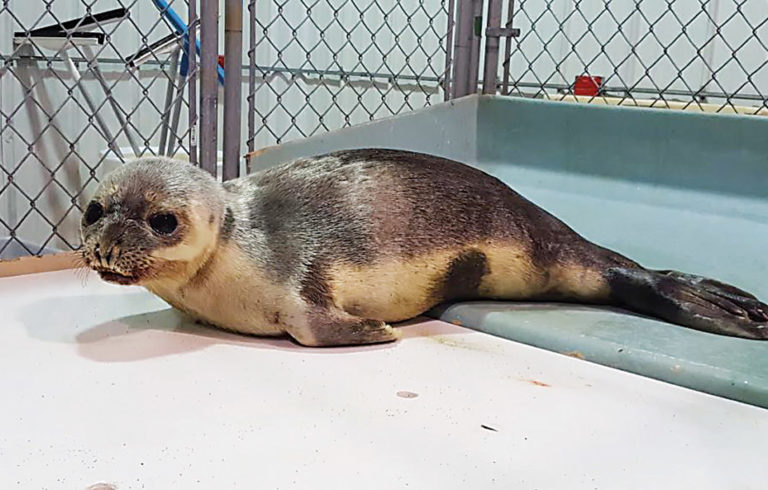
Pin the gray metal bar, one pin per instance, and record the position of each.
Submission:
(267, 69)
(508, 49)
(118, 112)
(192, 81)
(461, 49)
(448, 52)
(170, 91)
(251, 78)
(175, 124)
(474, 53)
(104, 128)
(491, 71)
(94, 67)
(233, 59)
(209, 90)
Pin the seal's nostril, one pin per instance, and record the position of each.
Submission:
(113, 254)
(96, 253)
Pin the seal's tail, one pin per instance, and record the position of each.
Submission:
(692, 301)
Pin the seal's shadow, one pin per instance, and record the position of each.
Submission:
(105, 328)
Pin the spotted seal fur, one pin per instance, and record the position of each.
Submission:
(333, 249)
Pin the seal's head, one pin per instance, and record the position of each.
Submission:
(152, 219)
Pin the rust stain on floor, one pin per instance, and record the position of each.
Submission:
(576, 354)
(538, 383)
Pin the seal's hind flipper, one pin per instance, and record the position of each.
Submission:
(691, 301)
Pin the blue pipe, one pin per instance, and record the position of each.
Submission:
(182, 28)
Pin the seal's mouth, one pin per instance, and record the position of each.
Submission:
(117, 277)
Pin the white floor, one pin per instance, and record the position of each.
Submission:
(105, 384)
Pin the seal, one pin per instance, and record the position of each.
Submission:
(333, 249)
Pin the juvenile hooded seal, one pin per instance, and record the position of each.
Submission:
(334, 248)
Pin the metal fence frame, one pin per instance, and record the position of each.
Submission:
(67, 50)
(439, 79)
(473, 47)
(612, 87)
(193, 53)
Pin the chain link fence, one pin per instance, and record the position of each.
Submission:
(707, 55)
(86, 85)
(83, 86)
(317, 65)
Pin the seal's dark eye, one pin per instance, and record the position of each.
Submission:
(93, 213)
(163, 223)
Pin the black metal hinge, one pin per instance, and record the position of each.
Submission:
(502, 32)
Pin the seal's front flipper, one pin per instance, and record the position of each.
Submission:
(335, 329)
(691, 301)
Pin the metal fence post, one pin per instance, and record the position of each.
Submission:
(475, 41)
(192, 81)
(462, 47)
(492, 47)
(209, 40)
(508, 49)
(251, 80)
(447, 83)
(233, 58)
(493, 34)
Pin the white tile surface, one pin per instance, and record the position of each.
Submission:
(105, 384)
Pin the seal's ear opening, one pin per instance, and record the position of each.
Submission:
(693, 301)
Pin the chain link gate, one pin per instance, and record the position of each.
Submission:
(331, 64)
(704, 55)
(83, 86)
(86, 85)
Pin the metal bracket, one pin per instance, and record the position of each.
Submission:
(168, 44)
(502, 32)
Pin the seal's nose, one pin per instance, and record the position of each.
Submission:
(113, 254)
(107, 253)
(108, 248)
